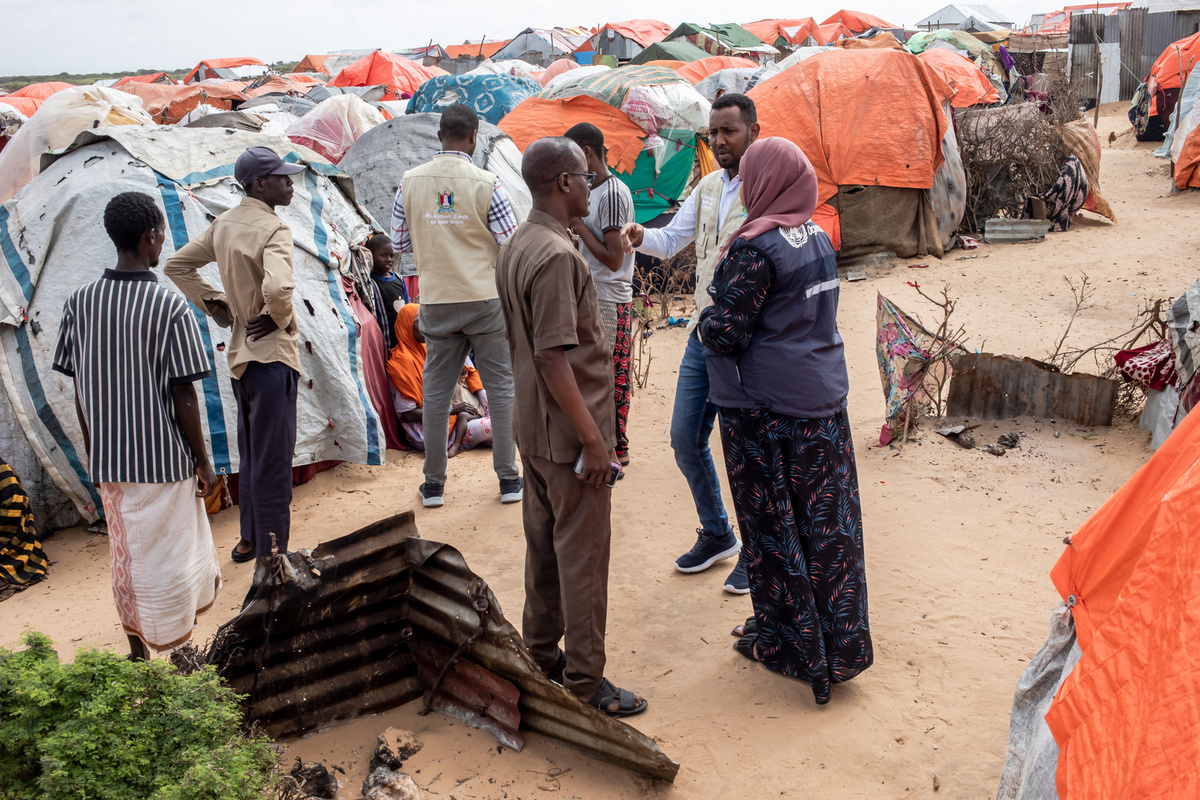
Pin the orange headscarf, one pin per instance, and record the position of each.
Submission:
(406, 364)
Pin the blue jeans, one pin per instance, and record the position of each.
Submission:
(691, 426)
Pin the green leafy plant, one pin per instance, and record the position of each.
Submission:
(108, 728)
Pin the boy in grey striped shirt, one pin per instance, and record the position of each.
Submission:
(134, 351)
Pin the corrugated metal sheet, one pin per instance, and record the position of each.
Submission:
(1083, 70)
(1131, 50)
(986, 386)
(1001, 230)
(1086, 28)
(332, 637)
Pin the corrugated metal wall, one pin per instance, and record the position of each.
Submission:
(1142, 36)
(1131, 22)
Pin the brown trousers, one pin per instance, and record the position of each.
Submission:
(568, 535)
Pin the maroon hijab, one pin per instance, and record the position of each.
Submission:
(779, 188)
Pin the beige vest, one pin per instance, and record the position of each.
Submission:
(710, 236)
(446, 207)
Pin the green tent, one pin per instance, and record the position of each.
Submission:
(670, 51)
(654, 194)
(731, 35)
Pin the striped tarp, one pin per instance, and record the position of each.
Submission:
(612, 86)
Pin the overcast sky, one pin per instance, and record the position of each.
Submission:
(50, 36)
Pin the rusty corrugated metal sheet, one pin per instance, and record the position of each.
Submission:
(986, 386)
(331, 637)
(1130, 21)
(1003, 230)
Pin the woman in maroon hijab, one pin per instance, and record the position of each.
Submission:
(777, 374)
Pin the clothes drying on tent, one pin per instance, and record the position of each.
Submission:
(58, 218)
(335, 125)
(491, 96)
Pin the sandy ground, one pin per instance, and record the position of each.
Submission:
(958, 546)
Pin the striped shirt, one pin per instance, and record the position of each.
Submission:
(125, 340)
(502, 220)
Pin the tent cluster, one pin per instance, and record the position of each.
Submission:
(873, 107)
(1164, 108)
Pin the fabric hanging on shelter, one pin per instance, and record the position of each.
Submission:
(1065, 197)
(903, 347)
(1150, 367)
(1126, 717)
(22, 560)
(1082, 142)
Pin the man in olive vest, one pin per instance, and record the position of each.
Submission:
(708, 217)
(453, 216)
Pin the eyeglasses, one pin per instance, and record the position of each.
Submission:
(590, 177)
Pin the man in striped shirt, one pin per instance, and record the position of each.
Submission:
(134, 351)
(454, 216)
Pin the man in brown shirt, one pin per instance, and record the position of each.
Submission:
(253, 250)
(562, 370)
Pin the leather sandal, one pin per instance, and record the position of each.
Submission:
(748, 627)
(627, 704)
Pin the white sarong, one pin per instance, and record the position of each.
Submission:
(164, 564)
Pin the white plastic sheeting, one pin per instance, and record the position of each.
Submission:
(52, 240)
(335, 125)
(574, 75)
(59, 120)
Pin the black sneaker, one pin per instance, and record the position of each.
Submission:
(738, 581)
(707, 551)
(511, 490)
(431, 494)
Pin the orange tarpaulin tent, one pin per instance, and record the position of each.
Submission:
(1127, 717)
(880, 40)
(155, 77)
(832, 32)
(857, 21)
(398, 73)
(557, 68)
(971, 86)
(486, 50)
(25, 105)
(170, 103)
(1176, 62)
(40, 91)
(536, 118)
(219, 63)
(888, 136)
(1187, 168)
(643, 31)
(701, 68)
(312, 63)
(793, 31)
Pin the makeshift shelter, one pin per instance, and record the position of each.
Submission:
(1107, 707)
(58, 219)
(685, 52)
(571, 75)
(966, 18)
(40, 91)
(873, 41)
(397, 74)
(736, 81)
(379, 159)
(625, 40)
(26, 106)
(511, 66)
(875, 125)
(540, 46)
(1162, 87)
(335, 125)
(559, 67)
(154, 77)
(858, 22)
(653, 191)
(479, 50)
(169, 104)
(312, 63)
(60, 119)
(662, 62)
(834, 31)
(701, 68)
(971, 86)
(226, 69)
(801, 54)
(787, 33)
(1187, 157)
(372, 94)
(725, 39)
(492, 96)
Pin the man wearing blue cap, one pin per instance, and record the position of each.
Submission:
(253, 250)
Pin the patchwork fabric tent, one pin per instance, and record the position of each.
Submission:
(857, 21)
(875, 124)
(58, 222)
(684, 52)
(492, 96)
(379, 159)
(700, 69)
(971, 86)
(229, 69)
(1107, 707)
(169, 104)
(61, 118)
(399, 75)
(726, 39)
(625, 40)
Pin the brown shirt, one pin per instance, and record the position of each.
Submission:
(549, 301)
(253, 251)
